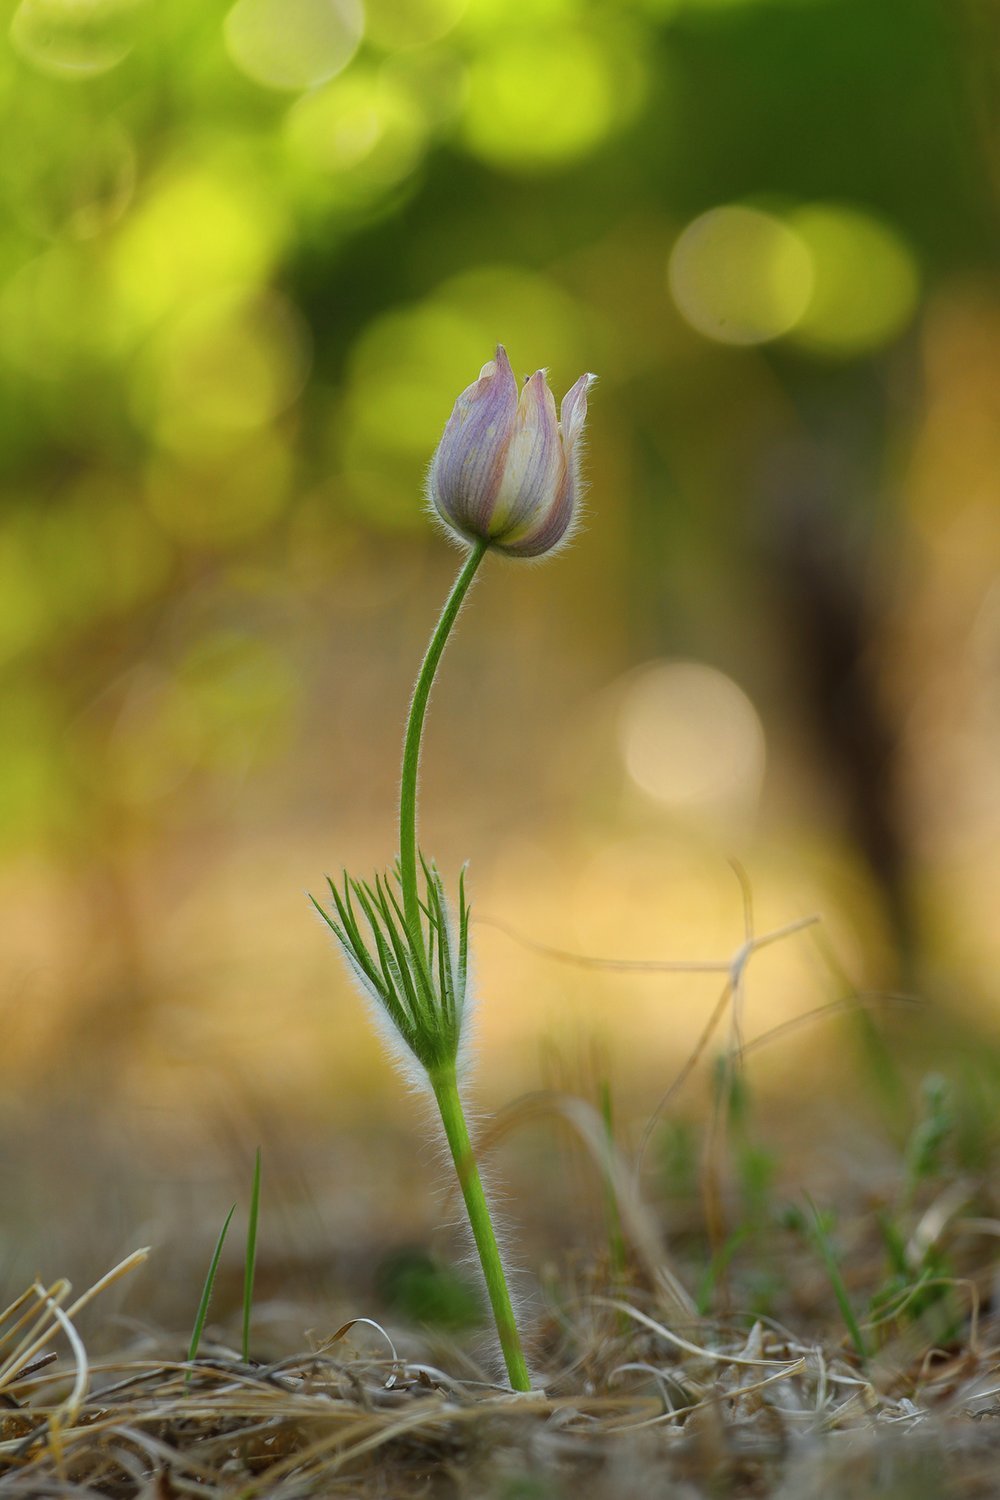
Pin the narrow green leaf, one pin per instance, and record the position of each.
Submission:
(417, 956)
(349, 939)
(463, 936)
(324, 914)
(395, 928)
(350, 919)
(419, 990)
(345, 911)
(420, 903)
(359, 962)
(404, 1021)
(445, 972)
(826, 1250)
(431, 945)
(616, 1236)
(335, 927)
(250, 1262)
(717, 1268)
(206, 1292)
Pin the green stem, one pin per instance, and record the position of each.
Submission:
(411, 744)
(445, 1086)
(443, 1079)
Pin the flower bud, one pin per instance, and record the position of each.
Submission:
(506, 470)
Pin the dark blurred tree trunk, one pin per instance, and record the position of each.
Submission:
(833, 623)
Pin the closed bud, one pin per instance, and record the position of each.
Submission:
(506, 470)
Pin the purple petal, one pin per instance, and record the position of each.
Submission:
(467, 469)
(573, 412)
(536, 464)
(549, 526)
(554, 522)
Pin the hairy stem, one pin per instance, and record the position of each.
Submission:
(443, 1079)
(411, 744)
(445, 1085)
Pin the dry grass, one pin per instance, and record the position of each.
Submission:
(627, 1404)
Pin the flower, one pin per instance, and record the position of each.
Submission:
(506, 470)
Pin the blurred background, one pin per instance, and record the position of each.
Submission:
(249, 255)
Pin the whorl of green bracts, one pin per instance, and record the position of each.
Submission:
(416, 979)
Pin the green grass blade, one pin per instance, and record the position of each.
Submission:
(250, 1263)
(616, 1236)
(206, 1291)
(826, 1250)
(716, 1269)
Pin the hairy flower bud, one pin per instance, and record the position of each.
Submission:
(506, 470)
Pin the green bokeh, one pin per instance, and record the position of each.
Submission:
(250, 254)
